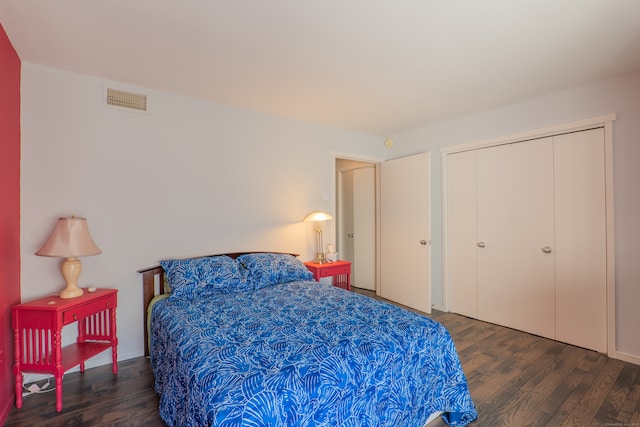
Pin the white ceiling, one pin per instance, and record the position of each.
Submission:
(375, 66)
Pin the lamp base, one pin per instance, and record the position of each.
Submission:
(321, 258)
(70, 292)
(71, 269)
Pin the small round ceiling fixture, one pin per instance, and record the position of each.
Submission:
(388, 143)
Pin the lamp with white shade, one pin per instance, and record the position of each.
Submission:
(70, 239)
(318, 218)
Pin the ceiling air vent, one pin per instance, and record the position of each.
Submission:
(120, 98)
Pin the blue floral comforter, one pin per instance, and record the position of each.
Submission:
(303, 354)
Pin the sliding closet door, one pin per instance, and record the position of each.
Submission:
(580, 223)
(495, 221)
(462, 252)
(515, 236)
(536, 212)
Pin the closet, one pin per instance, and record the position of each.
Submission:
(526, 236)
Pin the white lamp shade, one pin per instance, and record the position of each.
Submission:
(70, 239)
(318, 216)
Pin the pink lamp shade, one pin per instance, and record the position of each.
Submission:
(70, 239)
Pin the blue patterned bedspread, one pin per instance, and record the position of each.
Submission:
(303, 354)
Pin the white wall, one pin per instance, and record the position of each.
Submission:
(620, 96)
(190, 178)
(194, 177)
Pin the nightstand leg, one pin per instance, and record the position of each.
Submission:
(114, 340)
(58, 372)
(81, 333)
(16, 367)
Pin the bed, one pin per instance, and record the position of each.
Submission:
(250, 339)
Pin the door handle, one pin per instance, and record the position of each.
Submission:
(481, 244)
(423, 242)
(546, 249)
(350, 235)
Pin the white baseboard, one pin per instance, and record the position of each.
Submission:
(94, 362)
(28, 378)
(438, 307)
(625, 357)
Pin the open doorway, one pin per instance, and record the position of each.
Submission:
(356, 221)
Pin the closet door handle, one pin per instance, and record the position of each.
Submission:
(546, 249)
(481, 244)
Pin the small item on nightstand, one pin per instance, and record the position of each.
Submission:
(91, 289)
(332, 255)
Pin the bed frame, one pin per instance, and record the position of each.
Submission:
(153, 285)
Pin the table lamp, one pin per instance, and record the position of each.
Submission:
(318, 217)
(70, 239)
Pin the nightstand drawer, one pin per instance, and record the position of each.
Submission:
(91, 307)
(334, 270)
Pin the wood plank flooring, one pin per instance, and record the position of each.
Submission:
(516, 379)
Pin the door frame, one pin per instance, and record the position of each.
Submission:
(335, 155)
(605, 122)
(353, 249)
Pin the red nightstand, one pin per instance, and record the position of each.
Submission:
(340, 270)
(37, 327)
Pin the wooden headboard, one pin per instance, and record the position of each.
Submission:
(152, 287)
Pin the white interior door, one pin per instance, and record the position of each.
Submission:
(405, 250)
(345, 223)
(364, 229)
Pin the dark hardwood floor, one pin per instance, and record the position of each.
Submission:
(96, 398)
(516, 379)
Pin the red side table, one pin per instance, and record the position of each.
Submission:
(340, 270)
(37, 327)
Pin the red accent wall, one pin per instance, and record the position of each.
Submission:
(9, 213)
